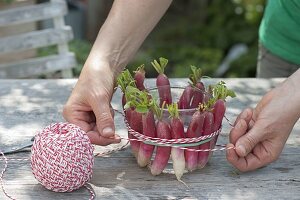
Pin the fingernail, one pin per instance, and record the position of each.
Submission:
(107, 132)
(244, 114)
(238, 125)
(241, 149)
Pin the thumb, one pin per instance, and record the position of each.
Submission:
(104, 118)
(247, 142)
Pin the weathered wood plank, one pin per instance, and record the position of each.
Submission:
(35, 39)
(125, 180)
(36, 66)
(32, 13)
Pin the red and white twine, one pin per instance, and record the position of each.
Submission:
(62, 157)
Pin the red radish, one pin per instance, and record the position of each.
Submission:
(191, 96)
(194, 130)
(185, 98)
(139, 77)
(177, 131)
(162, 81)
(199, 93)
(134, 119)
(140, 101)
(219, 93)
(218, 112)
(135, 122)
(162, 152)
(146, 150)
(207, 129)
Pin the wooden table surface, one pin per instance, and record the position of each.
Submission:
(27, 106)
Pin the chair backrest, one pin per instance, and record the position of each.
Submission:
(59, 35)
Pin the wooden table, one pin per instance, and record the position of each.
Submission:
(29, 105)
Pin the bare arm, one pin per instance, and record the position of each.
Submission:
(128, 24)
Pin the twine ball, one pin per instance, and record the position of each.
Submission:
(62, 157)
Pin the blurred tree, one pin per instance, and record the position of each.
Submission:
(200, 32)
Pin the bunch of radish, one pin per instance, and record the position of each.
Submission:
(133, 117)
(147, 116)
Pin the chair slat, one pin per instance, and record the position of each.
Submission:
(32, 13)
(35, 39)
(36, 66)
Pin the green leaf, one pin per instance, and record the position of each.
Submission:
(125, 79)
(140, 68)
(231, 93)
(160, 67)
(127, 105)
(220, 91)
(173, 110)
(196, 75)
(163, 62)
(142, 108)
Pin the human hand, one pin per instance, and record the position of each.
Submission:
(260, 134)
(89, 104)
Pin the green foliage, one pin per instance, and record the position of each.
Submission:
(245, 66)
(201, 32)
(81, 48)
(6, 1)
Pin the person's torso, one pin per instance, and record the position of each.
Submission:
(280, 29)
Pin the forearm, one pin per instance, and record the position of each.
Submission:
(128, 24)
(290, 88)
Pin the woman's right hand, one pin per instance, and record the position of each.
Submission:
(259, 135)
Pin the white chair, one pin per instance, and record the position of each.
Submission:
(59, 35)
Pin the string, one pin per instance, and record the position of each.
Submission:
(181, 143)
(2, 175)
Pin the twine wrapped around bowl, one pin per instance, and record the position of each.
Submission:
(62, 157)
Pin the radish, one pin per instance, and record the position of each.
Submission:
(185, 98)
(146, 150)
(177, 131)
(203, 156)
(219, 92)
(139, 77)
(162, 152)
(162, 81)
(218, 112)
(135, 122)
(219, 109)
(194, 130)
(134, 119)
(135, 100)
(188, 98)
(199, 93)
(140, 100)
